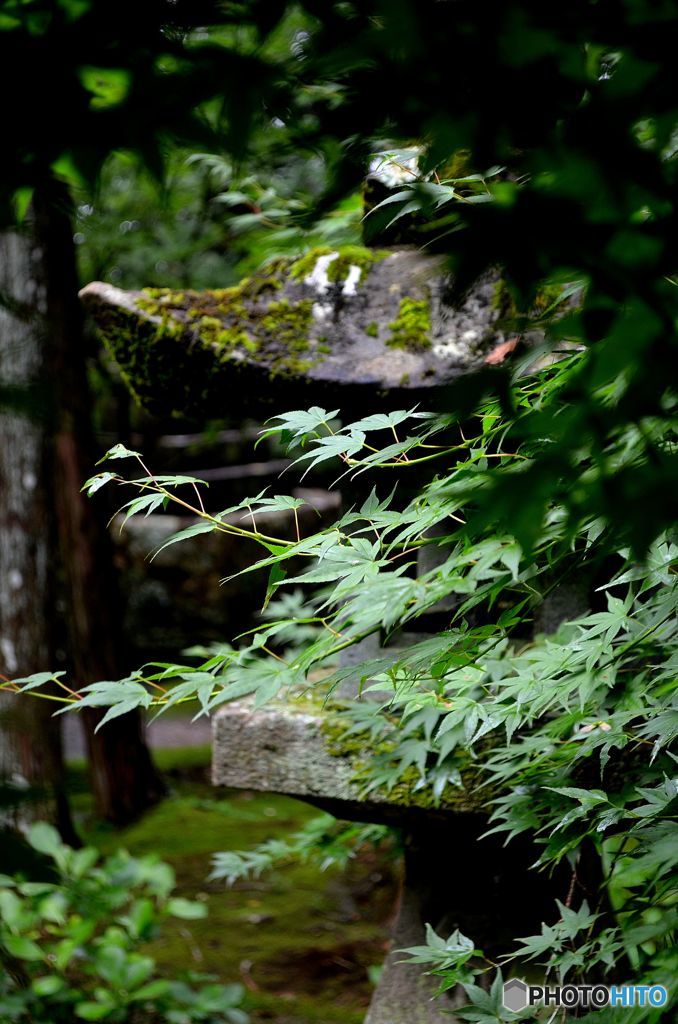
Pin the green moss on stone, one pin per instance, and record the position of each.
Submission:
(207, 324)
(236, 318)
(411, 329)
(145, 350)
(288, 325)
(408, 791)
(183, 306)
(339, 741)
(240, 317)
(212, 331)
(347, 256)
(175, 344)
(372, 329)
(354, 256)
(154, 300)
(266, 280)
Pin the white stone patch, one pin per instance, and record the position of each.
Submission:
(29, 480)
(318, 278)
(352, 280)
(450, 348)
(470, 335)
(15, 579)
(321, 311)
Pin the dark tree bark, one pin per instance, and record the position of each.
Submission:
(30, 737)
(124, 780)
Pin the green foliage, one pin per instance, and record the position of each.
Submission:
(567, 736)
(205, 224)
(449, 955)
(71, 948)
(134, 230)
(580, 150)
(291, 607)
(270, 923)
(265, 211)
(323, 841)
(152, 75)
(533, 479)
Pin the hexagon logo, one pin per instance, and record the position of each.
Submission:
(515, 994)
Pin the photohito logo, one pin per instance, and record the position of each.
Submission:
(518, 995)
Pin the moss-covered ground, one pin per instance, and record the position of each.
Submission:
(303, 943)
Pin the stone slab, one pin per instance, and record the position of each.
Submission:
(300, 328)
(288, 750)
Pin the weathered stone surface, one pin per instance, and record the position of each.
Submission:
(453, 878)
(295, 751)
(404, 993)
(291, 750)
(369, 320)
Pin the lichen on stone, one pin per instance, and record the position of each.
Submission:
(411, 328)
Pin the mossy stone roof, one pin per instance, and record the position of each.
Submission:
(364, 320)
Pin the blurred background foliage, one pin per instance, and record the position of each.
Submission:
(576, 104)
(202, 225)
(199, 139)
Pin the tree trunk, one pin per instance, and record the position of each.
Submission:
(124, 779)
(30, 740)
